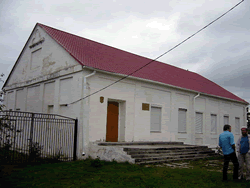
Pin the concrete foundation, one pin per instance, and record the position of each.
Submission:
(108, 153)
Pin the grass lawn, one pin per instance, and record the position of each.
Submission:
(93, 173)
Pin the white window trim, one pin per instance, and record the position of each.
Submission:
(226, 115)
(156, 106)
(182, 132)
(237, 131)
(202, 123)
(216, 123)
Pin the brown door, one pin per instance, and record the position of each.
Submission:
(112, 122)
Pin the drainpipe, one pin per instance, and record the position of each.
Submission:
(85, 80)
(194, 113)
(85, 109)
(196, 97)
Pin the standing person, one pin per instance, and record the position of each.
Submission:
(226, 142)
(243, 154)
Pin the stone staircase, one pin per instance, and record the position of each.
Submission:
(162, 152)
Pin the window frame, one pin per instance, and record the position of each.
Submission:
(182, 110)
(224, 119)
(237, 127)
(215, 122)
(160, 126)
(196, 123)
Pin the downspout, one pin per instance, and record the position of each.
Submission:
(85, 109)
(196, 97)
(194, 114)
(85, 80)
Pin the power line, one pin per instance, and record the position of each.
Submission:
(161, 54)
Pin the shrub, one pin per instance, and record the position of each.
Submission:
(35, 151)
(56, 158)
(96, 162)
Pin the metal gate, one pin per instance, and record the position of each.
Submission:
(26, 137)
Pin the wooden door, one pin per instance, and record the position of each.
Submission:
(112, 122)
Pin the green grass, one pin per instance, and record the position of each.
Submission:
(89, 173)
(12, 156)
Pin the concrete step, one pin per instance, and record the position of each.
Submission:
(144, 155)
(171, 160)
(178, 152)
(161, 148)
(161, 152)
(137, 143)
(172, 157)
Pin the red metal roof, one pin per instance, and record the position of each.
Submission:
(103, 57)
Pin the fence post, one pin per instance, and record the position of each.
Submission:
(14, 140)
(31, 135)
(75, 139)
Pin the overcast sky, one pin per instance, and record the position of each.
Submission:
(148, 28)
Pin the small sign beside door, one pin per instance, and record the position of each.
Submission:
(101, 99)
(145, 106)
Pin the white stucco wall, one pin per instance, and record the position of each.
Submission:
(58, 80)
(38, 86)
(137, 122)
(122, 92)
(52, 58)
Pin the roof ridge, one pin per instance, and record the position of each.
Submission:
(89, 40)
(153, 60)
(107, 58)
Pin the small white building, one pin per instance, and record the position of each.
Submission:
(56, 70)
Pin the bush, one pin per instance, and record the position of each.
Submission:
(56, 158)
(96, 162)
(35, 151)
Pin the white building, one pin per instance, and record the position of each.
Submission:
(160, 102)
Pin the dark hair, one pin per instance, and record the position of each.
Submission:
(226, 127)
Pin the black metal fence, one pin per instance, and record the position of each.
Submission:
(30, 137)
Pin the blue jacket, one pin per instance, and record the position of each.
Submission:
(226, 140)
(238, 145)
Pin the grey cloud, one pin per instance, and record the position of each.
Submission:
(226, 43)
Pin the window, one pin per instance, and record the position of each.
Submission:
(198, 122)
(237, 125)
(182, 114)
(226, 120)
(155, 119)
(213, 123)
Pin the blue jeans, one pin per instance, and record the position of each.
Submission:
(227, 158)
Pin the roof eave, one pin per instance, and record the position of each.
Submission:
(172, 86)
